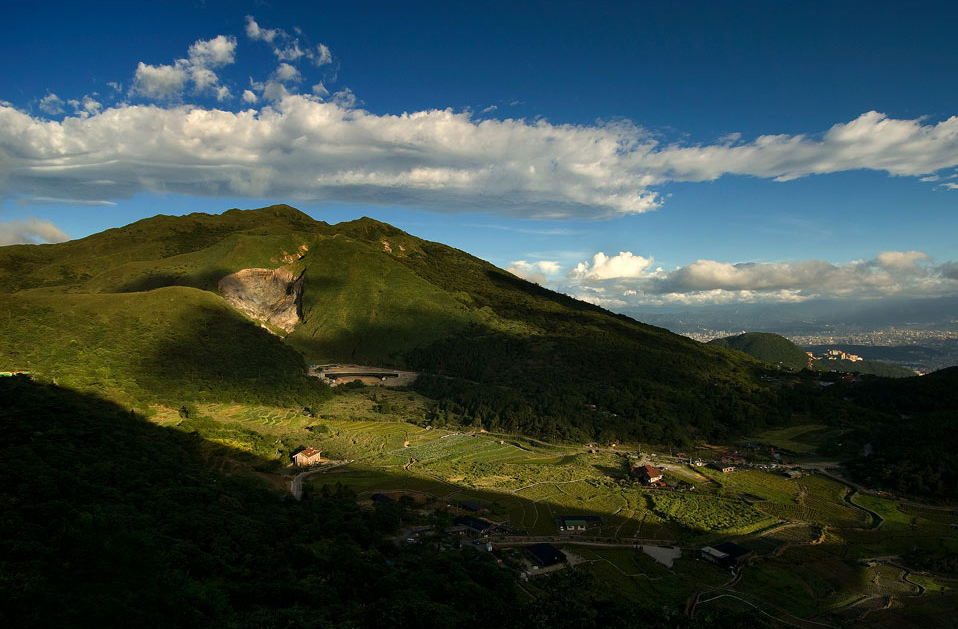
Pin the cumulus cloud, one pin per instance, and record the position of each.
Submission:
(30, 231)
(168, 81)
(287, 73)
(213, 53)
(287, 47)
(534, 271)
(626, 264)
(51, 104)
(256, 33)
(435, 159)
(249, 96)
(322, 56)
(159, 82)
(890, 273)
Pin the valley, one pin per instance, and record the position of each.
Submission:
(436, 398)
(825, 552)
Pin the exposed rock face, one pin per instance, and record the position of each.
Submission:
(274, 296)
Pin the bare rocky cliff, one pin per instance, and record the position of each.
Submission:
(270, 295)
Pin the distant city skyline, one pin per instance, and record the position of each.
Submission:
(633, 155)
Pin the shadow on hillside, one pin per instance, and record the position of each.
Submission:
(206, 280)
(216, 354)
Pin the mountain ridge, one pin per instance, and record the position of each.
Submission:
(371, 293)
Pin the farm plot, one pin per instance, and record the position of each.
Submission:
(800, 438)
(755, 483)
(708, 513)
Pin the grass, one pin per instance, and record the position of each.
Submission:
(790, 438)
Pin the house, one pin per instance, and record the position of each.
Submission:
(578, 523)
(647, 474)
(545, 554)
(794, 473)
(309, 456)
(733, 459)
(725, 468)
(726, 554)
(477, 525)
(470, 505)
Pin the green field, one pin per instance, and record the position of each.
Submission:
(811, 535)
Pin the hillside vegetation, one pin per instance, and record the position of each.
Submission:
(134, 313)
(778, 350)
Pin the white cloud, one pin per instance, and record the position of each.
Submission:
(275, 91)
(287, 73)
(159, 82)
(950, 186)
(322, 56)
(167, 82)
(626, 264)
(30, 231)
(249, 96)
(890, 273)
(51, 104)
(906, 261)
(320, 90)
(345, 99)
(256, 33)
(292, 52)
(534, 271)
(222, 93)
(213, 53)
(437, 159)
(287, 47)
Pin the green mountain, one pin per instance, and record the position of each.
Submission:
(138, 314)
(767, 347)
(778, 350)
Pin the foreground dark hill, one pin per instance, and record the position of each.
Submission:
(778, 350)
(110, 521)
(137, 313)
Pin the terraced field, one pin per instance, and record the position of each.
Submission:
(818, 550)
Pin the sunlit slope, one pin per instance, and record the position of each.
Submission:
(372, 294)
(171, 345)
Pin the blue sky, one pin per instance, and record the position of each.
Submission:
(629, 153)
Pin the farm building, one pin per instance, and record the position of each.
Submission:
(578, 523)
(309, 456)
(794, 473)
(383, 499)
(726, 554)
(647, 474)
(723, 467)
(545, 554)
(477, 525)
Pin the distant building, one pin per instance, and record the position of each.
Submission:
(647, 474)
(726, 554)
(476, 525)
(578, 523)
(309, 456)
(725, 468)
(470, 505)
(383, 499)
(545, 554)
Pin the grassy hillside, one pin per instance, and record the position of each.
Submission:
(778, 350)
(767, 347)
(134, 313)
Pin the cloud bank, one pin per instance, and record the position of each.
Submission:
(323, 146)
(304, 148)
(32, 231)
(628, 280)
